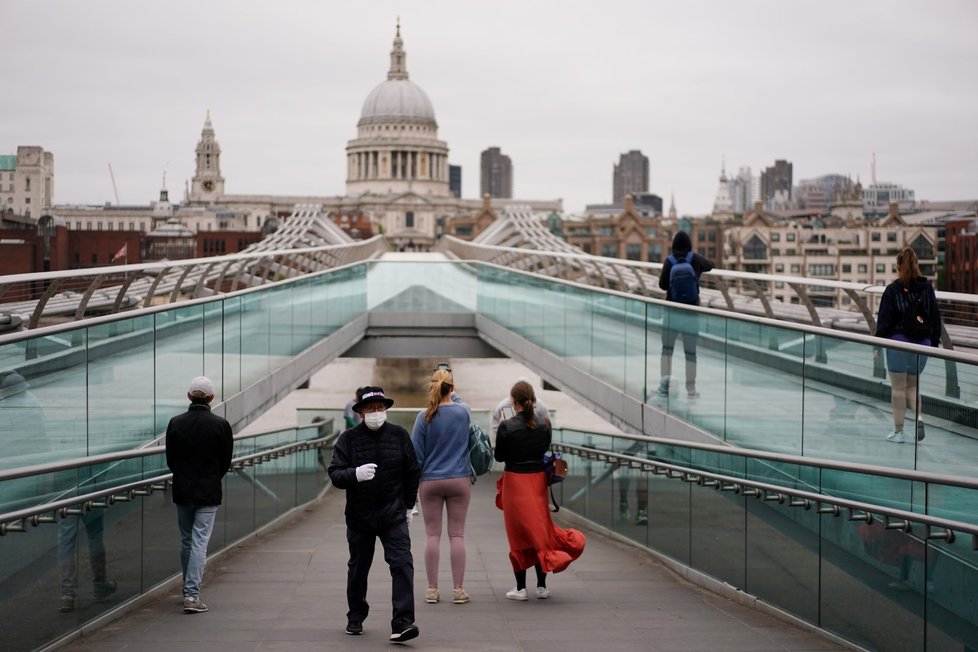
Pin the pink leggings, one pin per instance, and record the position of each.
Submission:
(454, 494)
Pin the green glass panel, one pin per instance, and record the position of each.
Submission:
(178, 357)
(843, 418)
(121, 381)
(232, 353)
(43, 399)
(635, 349)
(302, 310)
(869, 580)
(281, 347)
(608, 343)
(579, 340)
(255, 338)
(752, 389)
(670, 525)
(718, 534)
(783, 557)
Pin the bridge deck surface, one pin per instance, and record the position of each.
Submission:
(285, 591)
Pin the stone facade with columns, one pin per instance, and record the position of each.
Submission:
(396, 171)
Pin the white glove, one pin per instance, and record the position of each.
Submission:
(409, 516)
(366, 472)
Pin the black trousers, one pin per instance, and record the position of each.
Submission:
(397, 554)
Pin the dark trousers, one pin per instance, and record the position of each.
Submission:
(397, 554)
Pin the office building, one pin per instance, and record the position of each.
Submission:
(455, 180)
(497, 174)
(776, 182)
(631, 176)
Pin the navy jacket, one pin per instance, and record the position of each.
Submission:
(893, 305)
(198, 451)
(379, 504)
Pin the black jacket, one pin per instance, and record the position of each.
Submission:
(893, 305)
(682, 245)
(381, 503)
(198, 451)
(520, 448)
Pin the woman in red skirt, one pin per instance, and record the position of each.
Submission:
(534, 540)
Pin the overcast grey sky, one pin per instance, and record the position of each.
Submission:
(562, 86)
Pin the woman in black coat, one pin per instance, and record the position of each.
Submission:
(907, 300)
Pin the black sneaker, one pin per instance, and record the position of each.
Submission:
(406, 634)
(353, 628)
(921, 430)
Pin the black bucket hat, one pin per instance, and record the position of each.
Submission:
(371, 395)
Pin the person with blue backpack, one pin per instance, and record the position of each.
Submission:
(680, 279)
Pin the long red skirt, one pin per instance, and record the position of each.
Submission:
(533, 537)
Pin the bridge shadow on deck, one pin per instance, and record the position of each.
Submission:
(285, 591)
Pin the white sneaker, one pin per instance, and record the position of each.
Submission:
(516, 594)
(543, 593)
(895, 437)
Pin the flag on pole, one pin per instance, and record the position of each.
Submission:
(122, 253)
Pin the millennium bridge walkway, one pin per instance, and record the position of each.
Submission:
(774, 489)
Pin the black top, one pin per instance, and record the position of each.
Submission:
(380, 503)
(893, 305)
(198, 451)
(520, 448)
(700, 264)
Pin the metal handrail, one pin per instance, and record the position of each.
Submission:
(155, 447)
(787, 458)
(54, 329)
(714, 273)
(188, 276)
(18, 520)
(849, 336)
(855, 510)
(611, 273)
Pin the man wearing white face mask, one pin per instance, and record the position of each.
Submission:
(376, 464)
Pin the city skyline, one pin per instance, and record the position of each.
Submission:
(562, 88)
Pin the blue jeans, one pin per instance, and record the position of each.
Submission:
(68, 547)
(196, 525)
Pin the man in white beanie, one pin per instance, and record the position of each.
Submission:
(198, 452)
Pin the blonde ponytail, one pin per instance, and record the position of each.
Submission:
(441, 385)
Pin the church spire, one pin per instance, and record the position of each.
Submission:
(398, 56)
